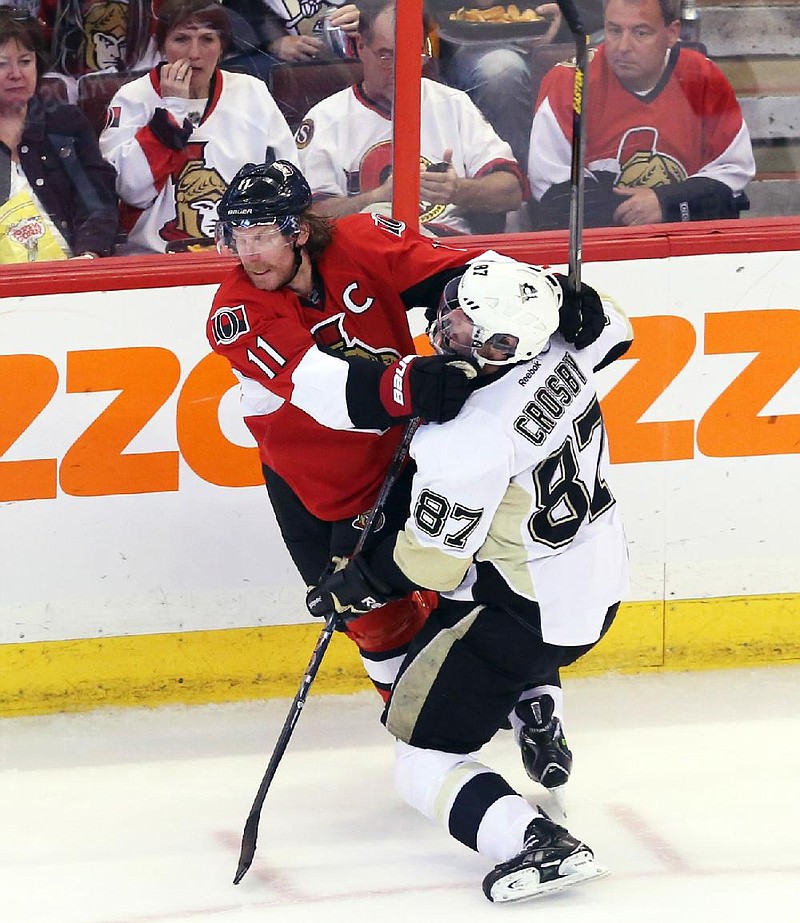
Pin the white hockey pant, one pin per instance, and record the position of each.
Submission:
(474, 803)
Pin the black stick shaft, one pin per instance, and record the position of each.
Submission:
(579, 93)
(250, 835)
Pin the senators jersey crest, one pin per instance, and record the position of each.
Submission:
(642, 164)
(198, 189)
(330, 334)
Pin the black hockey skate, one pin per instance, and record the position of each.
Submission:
(551, 859)
(545, 755)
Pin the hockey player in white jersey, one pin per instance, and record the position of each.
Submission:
(514, 522)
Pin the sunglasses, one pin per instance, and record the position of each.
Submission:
(16, 14)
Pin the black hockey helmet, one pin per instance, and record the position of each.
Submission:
(275, 193)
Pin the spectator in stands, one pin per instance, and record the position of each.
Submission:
(57, 195)
(497, 73)
(43, 10)
(180, 133)
(665, 138)
(292, 31)
(99, 35)
(345, 144)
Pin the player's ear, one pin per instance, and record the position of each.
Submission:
(674, 32)
(303, 234)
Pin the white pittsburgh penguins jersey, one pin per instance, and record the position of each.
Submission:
(520, 479)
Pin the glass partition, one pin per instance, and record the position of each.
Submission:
(691, 113)
(689, 107)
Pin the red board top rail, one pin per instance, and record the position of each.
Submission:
(599, 245)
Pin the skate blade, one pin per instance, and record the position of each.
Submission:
(525, 885)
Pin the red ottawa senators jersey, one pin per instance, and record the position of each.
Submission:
(284, 351)
(689, 124)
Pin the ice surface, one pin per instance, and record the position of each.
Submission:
(685, 785)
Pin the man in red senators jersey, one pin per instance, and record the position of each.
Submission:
(313, 322)
(665, 136)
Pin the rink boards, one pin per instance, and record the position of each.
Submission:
(141, 563)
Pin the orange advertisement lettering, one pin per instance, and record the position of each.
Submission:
(732, 425)
(203, 446)
(662, 347)
(95, 465)
(27, 384)
(143, 379)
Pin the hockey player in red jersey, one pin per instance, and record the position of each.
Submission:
(313, 322)
(513, 521)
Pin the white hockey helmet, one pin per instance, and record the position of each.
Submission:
(510, 307)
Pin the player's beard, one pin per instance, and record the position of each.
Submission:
(268, 277)
(270, 280)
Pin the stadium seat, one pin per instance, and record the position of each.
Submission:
(298, 87)
(95, 92)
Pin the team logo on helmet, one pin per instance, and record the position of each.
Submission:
(263, 192)
(497, 313)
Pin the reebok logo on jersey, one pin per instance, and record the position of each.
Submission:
(530, 373)
(228, 324)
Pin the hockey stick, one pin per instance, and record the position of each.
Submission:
(576, 178)
(250, 835)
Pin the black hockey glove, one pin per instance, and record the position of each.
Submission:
(167, 130)
(431, 387)
(599, 204)
(349, 591)
(581, 318)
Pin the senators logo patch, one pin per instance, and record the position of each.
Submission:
(304, 134)
(228, 324)
(361, 520)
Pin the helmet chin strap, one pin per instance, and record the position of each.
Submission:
(298, 259)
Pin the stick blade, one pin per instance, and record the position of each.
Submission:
(248, 849)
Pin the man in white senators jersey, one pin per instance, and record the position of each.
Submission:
(514, 522)
(467, 172)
